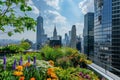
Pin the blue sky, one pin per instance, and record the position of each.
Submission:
(63, 13)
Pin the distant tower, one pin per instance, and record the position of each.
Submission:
(40, 37)
(66, 40)
(73, 37)
(78, 44)
(55, 33)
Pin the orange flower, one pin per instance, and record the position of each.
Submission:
(26, 64)
(49, 79)
(19, 68)
(53, 75)
(32, 78)
(18, 73)
(50, 70)
(51, 62)
(22, 78)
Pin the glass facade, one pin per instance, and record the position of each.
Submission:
(107, 33)
(88, 34)
(116, 33)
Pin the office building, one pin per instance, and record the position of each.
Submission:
(73, 37)
(88, 34)
(41, 37)
(107, 33)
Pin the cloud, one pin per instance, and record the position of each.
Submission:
(86, 6)
(53, 3)
(35, 10)
(55, 17)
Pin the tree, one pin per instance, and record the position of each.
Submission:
(9, 17)
(25, 45)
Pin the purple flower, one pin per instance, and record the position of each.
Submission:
(29, 59)
(21, 58)
(87, 76)
(20, 62)
(14, 64)
(34, 60)
(80, 74)
(4, 62)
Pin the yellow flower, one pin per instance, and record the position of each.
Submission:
(32, 78)
(19, 68)
(49, 79)
(51, 62)
(18, 73)
(22, 78)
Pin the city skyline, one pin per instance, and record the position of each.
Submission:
(63, 13)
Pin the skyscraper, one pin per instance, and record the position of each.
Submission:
(55, 33)
(78, 44)
(40, 37)
(55, 41)
(88, 34)
(107, 33)
(66, 40)
(73, 37)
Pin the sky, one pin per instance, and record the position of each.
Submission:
(62, 13)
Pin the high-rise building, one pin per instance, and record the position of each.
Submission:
(73, 37)
(66, 40)
(78, 44)
(107, 33)
(41, 38)
(55, 41)
(55, 33)
(88, 34)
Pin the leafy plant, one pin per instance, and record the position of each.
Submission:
(9, 16)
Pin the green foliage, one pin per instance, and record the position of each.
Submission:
(13, 48)
(64, 70)
(24, 45)
(64, 57)
(9, 17)
(73, 74)
(49, 53)
(7, 75)
(33, 72)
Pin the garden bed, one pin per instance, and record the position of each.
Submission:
(49, 64)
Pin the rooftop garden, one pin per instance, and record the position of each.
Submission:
(49, 64)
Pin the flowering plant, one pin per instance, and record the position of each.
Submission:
(53, 64)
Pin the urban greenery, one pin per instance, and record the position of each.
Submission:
(15, 48)
(48, 64)
(9, 16)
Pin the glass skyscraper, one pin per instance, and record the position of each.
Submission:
(41, 37)
(107, 33)
(88, 34)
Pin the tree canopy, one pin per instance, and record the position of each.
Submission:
(9, 16)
